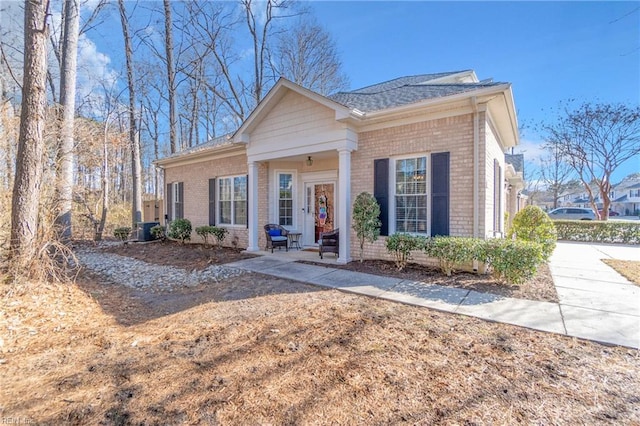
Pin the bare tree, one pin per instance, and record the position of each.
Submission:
(68, 102)
(259, 37)
(171, 76)
(555, 172)
(136, 166)
(29, 168)
(307, 55)
(595, 139)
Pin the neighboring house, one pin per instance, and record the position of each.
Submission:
(429, 147)
(516, 200)
(625, 197)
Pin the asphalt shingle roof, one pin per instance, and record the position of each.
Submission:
(516, 160)
(215, 142)
(403, 81)
(403, 91)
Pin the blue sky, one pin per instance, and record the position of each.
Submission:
(549, 51)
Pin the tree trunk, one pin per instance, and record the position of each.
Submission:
(26, 189)
(171, 77)
(136, 175)
(66, 157)
(105, 183)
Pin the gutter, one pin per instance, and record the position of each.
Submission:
(476, 167)
(209, 151)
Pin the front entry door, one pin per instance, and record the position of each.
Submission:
(319, 210)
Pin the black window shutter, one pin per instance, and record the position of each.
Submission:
(497, 195)
(212, 202)
(381, 191)
(247, 210)
(169, 197)
(180, 204)
(440, 194)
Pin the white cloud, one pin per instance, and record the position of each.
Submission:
(93, 66)
(94, 73)
(532, 150)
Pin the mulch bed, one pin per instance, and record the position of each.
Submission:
(198, 256)
(540, 287)
(187, 256)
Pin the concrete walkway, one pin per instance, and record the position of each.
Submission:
(596, 303)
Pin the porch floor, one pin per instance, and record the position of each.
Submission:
(310, 254)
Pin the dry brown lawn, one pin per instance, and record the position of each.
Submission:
(629, 269)
(262, 350)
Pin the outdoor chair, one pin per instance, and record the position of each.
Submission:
(277, 236)
(329, 242)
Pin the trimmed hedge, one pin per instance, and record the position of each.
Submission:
(452, 251)
(158, 232)
(598, 231)
(208, 230)
(219, 234)
(122, 233)
(513, 261)
(401, 246)
(180, 229)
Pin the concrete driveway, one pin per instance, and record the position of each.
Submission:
(596, 302)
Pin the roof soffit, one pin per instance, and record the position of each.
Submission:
(503, 118)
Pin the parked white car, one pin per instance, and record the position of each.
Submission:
(572, 213)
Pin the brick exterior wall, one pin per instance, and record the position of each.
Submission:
(491, 151)
(450, 134)
(195, 177)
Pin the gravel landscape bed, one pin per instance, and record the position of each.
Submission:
(138, 274)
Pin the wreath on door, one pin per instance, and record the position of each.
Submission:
(322, 210)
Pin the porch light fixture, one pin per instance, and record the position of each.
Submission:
(309, 161)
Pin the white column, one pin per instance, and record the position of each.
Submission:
(344, 201)
(252, 192)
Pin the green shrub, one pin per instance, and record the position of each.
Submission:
(180, 229)
(598, 231)
(401, 246)
(452, 251)
(219, 234)
(157, 232)
(507, 225)
(122, 233)
(533, 224)
(204, 232)
(366, 221)
(513, 261)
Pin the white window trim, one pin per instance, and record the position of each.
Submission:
(275, 211)
(218, 192)
(392, 191)
(174, 198)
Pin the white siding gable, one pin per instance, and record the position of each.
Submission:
(297, 125)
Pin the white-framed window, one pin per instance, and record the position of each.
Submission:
(410, 182)
(232, 200)
(635, 193)
(177, 203)
(285, 196)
